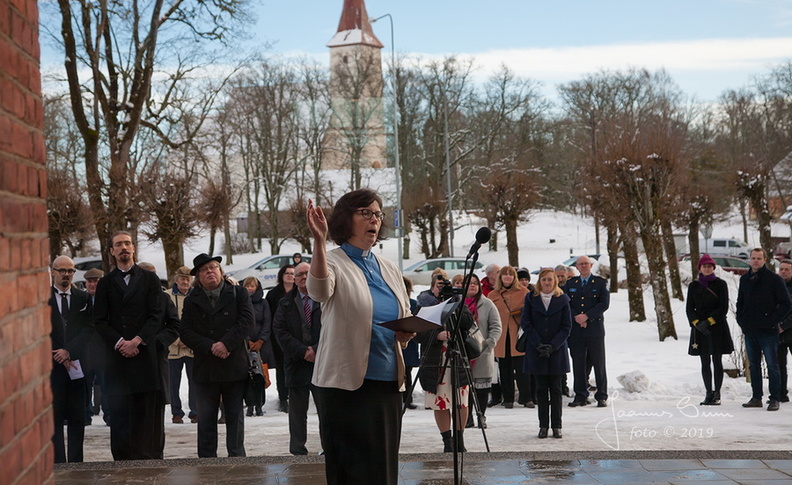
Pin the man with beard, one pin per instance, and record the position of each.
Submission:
(129, 316)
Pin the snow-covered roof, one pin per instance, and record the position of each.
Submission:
(354, 27)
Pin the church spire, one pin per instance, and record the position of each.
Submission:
(354, 27)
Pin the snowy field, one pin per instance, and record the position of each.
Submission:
(666, 416)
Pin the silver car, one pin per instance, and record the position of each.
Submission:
(266, 270)
(421, 273)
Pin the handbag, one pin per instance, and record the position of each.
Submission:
(522, 342)
(254, 364)
(474, 342)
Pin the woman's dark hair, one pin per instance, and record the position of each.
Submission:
(339, 223)
(282, 272)
(479, 294)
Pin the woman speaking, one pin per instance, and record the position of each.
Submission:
(359, 371)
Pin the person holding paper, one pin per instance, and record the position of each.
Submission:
(71, 330)
(359, 367)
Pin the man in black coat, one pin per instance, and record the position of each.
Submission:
(216, 321)
(129, 315)
(71, 330)
(298, 337)
(589, 300)
(762, 304)
(785, 339)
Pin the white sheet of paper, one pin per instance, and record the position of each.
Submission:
(433, 313)
(75, 371)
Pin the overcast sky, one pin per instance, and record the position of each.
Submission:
(706, 45)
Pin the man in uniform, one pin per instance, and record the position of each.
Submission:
(589, 299)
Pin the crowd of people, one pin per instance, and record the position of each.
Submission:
(123, 345)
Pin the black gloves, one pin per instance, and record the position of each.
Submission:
(544, 350)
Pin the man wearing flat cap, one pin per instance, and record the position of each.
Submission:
(216, 320)
(179, 355)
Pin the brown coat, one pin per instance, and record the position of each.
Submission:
(509, 304)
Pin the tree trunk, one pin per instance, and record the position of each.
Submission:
(406, 239)
(212, 232)
(634, 279)
(173, 259)
(613, 256)
(744, 215)
(227, 234)
(511, 242)
(650, 236)
(693, 245)
(671, 257)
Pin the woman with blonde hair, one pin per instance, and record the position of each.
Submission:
(509, 298)
(547, 322)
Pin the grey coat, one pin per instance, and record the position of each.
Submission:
(489, 323)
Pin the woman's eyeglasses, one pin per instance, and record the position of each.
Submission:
(366, 213)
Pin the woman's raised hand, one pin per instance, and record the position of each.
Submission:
(317, 223)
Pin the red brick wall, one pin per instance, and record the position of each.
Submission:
(25, 411)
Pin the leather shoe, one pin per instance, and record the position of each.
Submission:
(411, 406)
(542, 433)
(557, 433)
(576, 403)
(773, 406)
(755, 402)
(784, 399)
(529, 404)
(193, 419)
(177, 420)
(601, 403)
(494, 403)
(508, 405)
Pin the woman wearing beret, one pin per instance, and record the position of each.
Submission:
(710, 338)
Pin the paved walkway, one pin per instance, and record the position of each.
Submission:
(611, 468)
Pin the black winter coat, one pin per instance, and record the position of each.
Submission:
(229, 322)
(126, 311)
(262, 326)
(551, 326)
(703, 303)
(431, 372)
(294, 337)
(762, 301)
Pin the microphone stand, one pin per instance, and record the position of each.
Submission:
(456, 356)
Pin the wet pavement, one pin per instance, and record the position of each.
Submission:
(611, 468)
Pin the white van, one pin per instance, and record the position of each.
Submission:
(730, 246)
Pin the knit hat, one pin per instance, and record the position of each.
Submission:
(706, 259)
(523, 273)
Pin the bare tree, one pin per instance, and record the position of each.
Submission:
(112, 50)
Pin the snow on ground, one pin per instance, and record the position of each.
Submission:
(666, 416)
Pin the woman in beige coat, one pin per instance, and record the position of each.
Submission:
(509, 298)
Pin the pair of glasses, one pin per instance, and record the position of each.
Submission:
(65, 272)
(366, 213)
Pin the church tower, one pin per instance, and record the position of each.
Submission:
(356, 136)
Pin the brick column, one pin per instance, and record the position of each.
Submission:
(26, 454)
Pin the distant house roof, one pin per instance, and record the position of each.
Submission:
(354, 27)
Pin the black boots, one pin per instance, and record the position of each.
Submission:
(448, 444)
(711, 399)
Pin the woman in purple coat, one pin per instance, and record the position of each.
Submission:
(547, 321)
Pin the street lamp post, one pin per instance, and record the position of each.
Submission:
(398, 219)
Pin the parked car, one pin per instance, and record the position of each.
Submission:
(725, 246)
(266, 270)
(728, 263)
(421, 273)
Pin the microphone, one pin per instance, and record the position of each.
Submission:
(483, 235)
